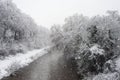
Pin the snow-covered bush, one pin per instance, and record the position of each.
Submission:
(91, 61)
(91, 55)
(3, 53)
(108, 76)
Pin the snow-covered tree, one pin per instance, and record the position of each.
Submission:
(90, 42)
(17, 28)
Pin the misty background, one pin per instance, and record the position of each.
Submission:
(49, 12)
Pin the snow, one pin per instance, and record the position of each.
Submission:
(96, 50)
(13, 63)
(117, 61)
(108, 76)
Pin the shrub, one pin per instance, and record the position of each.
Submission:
(4, 53)
(12, 52)
(90, 62)
(100, 49)
(108, 76)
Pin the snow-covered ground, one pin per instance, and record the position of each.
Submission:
(13, 63)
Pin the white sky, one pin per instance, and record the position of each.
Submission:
(49, 12)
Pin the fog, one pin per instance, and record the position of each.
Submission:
(49, 12)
